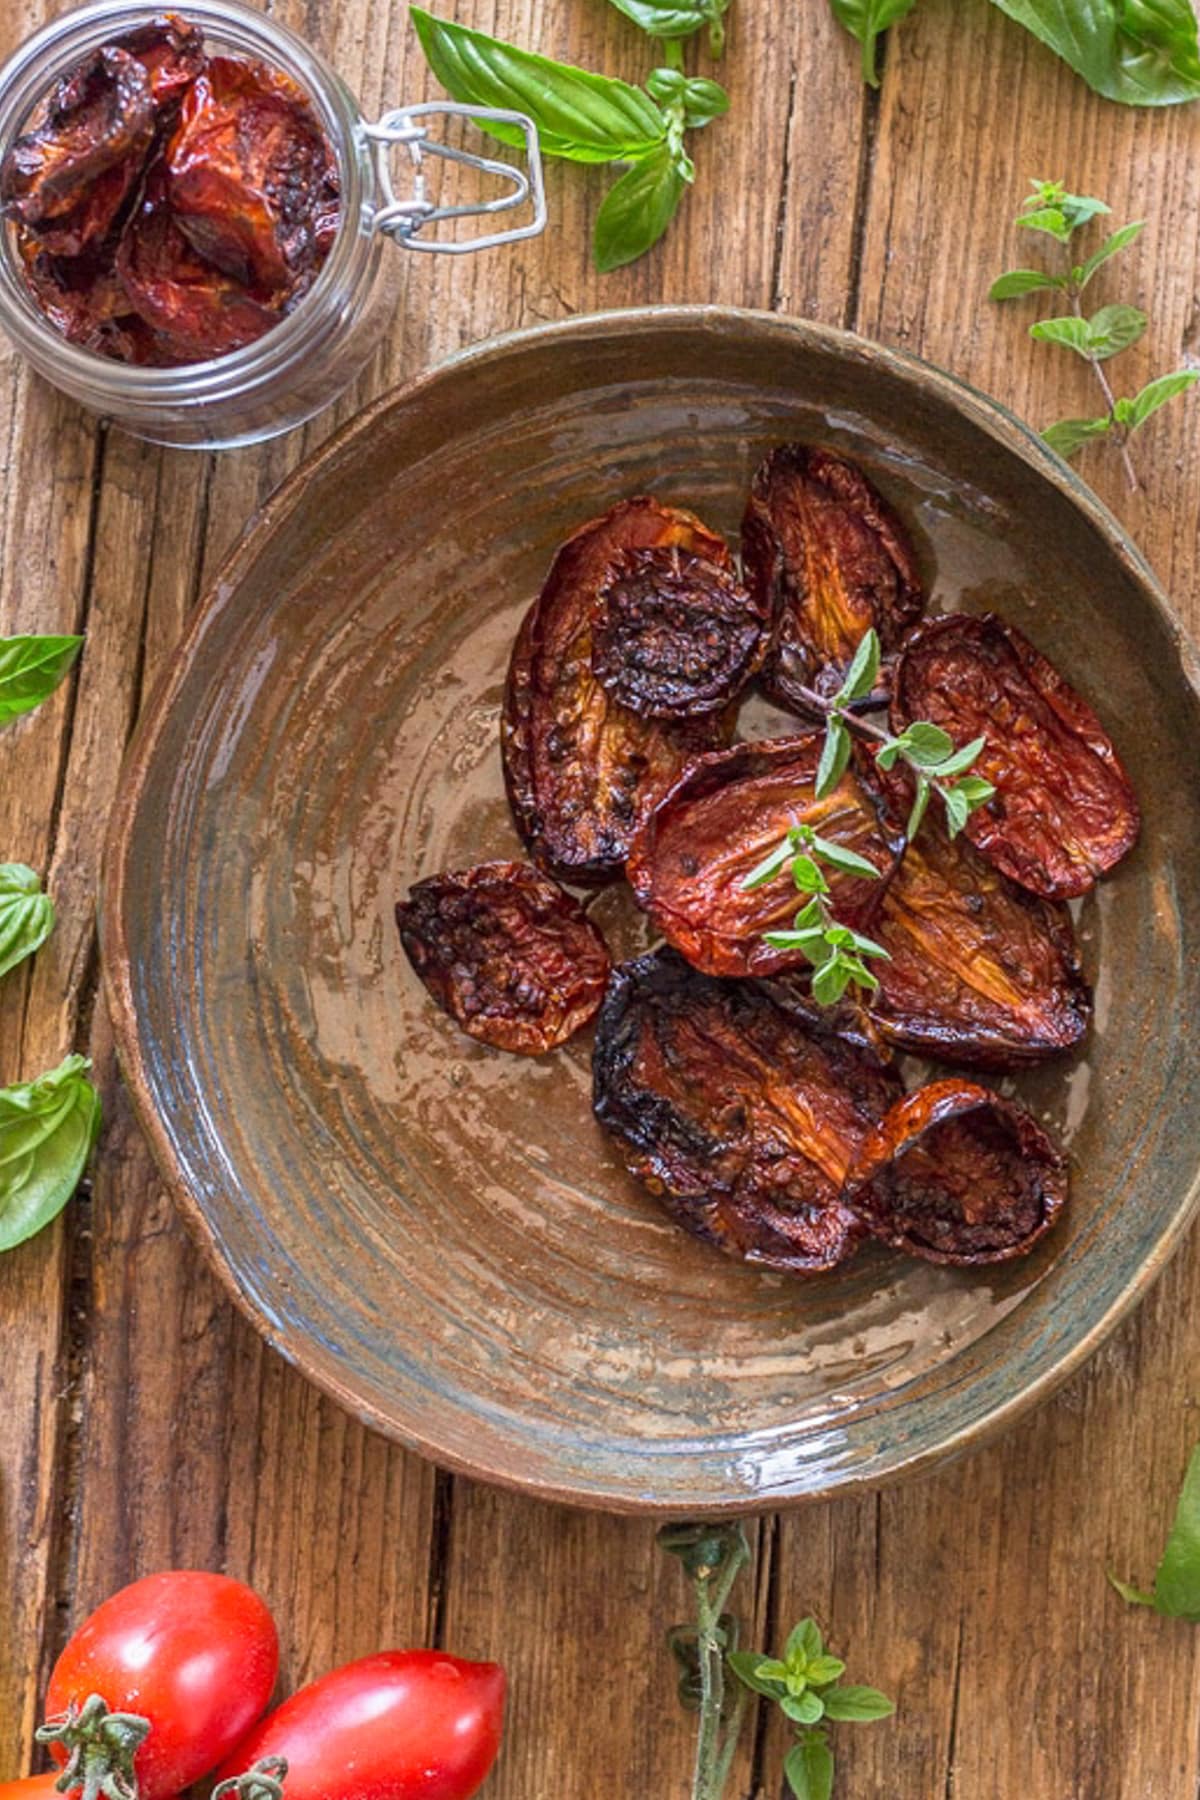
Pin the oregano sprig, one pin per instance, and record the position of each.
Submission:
(939, 768)
(589, 118)
(1053, 212)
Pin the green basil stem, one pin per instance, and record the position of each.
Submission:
(715, 1750)
(1119, 431)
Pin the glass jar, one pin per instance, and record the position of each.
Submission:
(303, 363)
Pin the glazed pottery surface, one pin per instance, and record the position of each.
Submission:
(439, 1234)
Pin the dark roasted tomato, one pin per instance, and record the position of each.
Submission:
(247, 168)
(1065, 811)
(742, 1122)
(170, 50)
(829, 559)
(196, 311)
(675, 635)
(955, 1174)
(981, 971)
(68, 176)
(513, 960)
(721, 818)
(81, 296)
(581, 769)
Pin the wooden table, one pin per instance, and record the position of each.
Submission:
(143, 1423)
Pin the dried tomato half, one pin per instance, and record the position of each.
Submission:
(742, 1122)
(1064, 811)
(197, 311)
(675, 635)
(581, 769)
(955, 1174)
(171, 50)
(513, 960)
(69, 175)
(981, 972)
(247, 169)
(722, 818)
(829, 559)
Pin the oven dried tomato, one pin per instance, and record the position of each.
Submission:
(1064, 811)
(580, 768)
(722, 818)
(196, 311)
(246, 171)
(981, 972)
(956, 1174)
(825, 553)
(513, 960)
(69, 175)
(171, 51)
(675, 635)
(741, 1120)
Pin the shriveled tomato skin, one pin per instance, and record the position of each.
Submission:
(979, 971)
(718, 821)
(581, 770)
(194, 1653)
(514, 960)
(734, 1112)
(1065, 811)
(831, 560)
(956, 1174)
(401, 1725)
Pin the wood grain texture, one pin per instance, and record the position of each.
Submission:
(143, 1422)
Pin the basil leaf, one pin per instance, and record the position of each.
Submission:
(26, 915)
(30, 670)
(809, 1770)
(1018, 282)
(673, 18)
(1140, 52)
(57, 1118)
(1070, 435)
(865, 20)
(1177, 1578)
(1112, 246)
(584, 117)
(857, 1705)
(637, 210)
(1115, 328)
(1158, 393)
(1072, 334)
(703, 101)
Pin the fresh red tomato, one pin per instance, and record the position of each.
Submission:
(403, 1725)
(193, 1654)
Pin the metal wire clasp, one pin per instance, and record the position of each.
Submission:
(406, 220)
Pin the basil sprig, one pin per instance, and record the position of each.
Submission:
(26, 915)
(1138, 52)
(30, 670)
(47, 1129)
(587, 118)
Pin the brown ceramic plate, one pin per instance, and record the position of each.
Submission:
(437, 1233)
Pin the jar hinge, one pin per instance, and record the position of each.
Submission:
(405, 220)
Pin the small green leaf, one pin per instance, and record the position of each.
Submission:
(809, 1770)
(26, 915)
(30, 670)
(926, 746)
(672, 19)
(1018, 282)
(666, 85)
(1048, 219)
(1074, 209)
(889, 754)
(857, 1705)
(1070, 435)
(1135, 1596)
(857, 971)
(975, 791)
(1115, 328)
(807, 876)
(830, 981)
(866, 20)
(1120, 240)
(745, 1665)
(868, 947)
(835, 758)
(957, 809)
(1071, 334)
(919, 807)
(580, 116)
(848, 862)
(1159, 392)
(811, 916)
(703, 101)
(863, 672)
(637, 210)
(769, 867)
(808, 1709)
(1177, 1578)
(804, 1642)
(808, 943)
(961, 760)
(47, 1129)
(824, 1669)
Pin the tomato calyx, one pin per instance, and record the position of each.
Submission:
(262, 1781)
(100, 1748)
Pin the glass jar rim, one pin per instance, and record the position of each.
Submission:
(30, 72)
